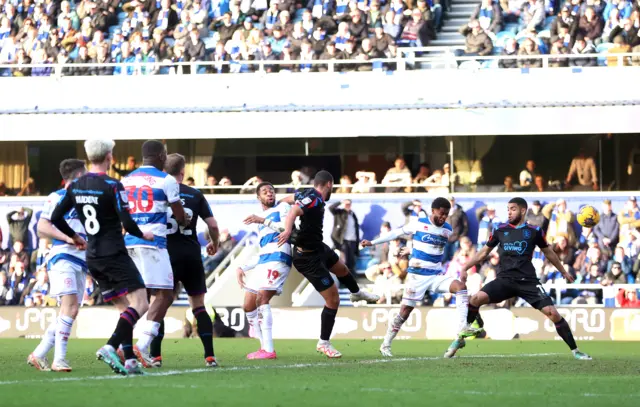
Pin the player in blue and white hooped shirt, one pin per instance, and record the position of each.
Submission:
(67, 274)
(426, 273)
(152, 193)
(272, 265)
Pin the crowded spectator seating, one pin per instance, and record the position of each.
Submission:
(109, 37)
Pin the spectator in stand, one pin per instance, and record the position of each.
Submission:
(590, 26)
(611, 22)
(510, 49)
(585, 169)
(487, 221)
(39, 256)
(346, 232)
(194, 48)
(535, 217)
(620, 47)
(365, 180)
(629, 220)
(249, 187)
(19, 225)
(81, 60)
(593, 257)
(423, 174)
(527, 175)
(386, 282)
(227, 242)
(566, 254)
(615, 275)
(564, 20)
(532, 17)
(477, 42)
(416, 31)
(18, 254)
(529, 48)
(102, 57)
(625, 262)
(398, 174)
(4, 288)
(508, 184)
(461, 257)
(459, 228)
(40, 288)
(561, 221)
(592, 275)
(628, 298)
(558, 48)
(29, 188)
(489, 15)
(19, 282)
(392, 25)
(190, 182)
(380, 253)
(131, 165)
(368, 54)
(413, 210)
(3, 190)
(449, 178)
(125, 56)
(539, 184)
(437, 183)
(345, 185)
(608, 229)
(581, 47)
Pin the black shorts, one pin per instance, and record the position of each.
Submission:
(532, 292)
(189, 270)
(315, 266)
(115, 275)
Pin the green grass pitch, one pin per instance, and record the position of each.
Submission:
(486, 373)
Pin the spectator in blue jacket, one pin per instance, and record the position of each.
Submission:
(608, 229)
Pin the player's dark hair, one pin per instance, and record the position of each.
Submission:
(322, 178)
(69, 167)
(441, 203)
(520, 202)
(174, 164)
(152, 149)
(263, 184)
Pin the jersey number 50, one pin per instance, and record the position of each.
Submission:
(173, 224)
(139, 204)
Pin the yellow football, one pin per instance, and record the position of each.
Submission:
(588, 216)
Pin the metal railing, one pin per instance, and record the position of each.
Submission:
(409, 58)
(389, 289)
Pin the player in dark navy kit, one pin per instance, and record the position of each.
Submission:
(186, 259)
(101, 204)
(314, 259)
(516, 242)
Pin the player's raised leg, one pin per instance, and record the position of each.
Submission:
(348, 280)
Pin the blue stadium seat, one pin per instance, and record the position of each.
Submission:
(603, 49)
(511, 27)
(298, 16)
(122, 15)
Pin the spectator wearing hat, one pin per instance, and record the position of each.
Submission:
(346, 231)
(487, 221)
(459, 228)
(535, 217)
(477, 42)
(608, 229)
(561, 220)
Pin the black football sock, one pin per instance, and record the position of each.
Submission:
(328, 319)
(205, 330)
(156, 344)
(350, 282)
(473, 314)
(123, 335)
(564, 331)
(480, 321)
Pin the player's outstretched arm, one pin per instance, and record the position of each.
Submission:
(289, 222)
(479, 257)
(555, 260)
(388, 237)
(289, 199)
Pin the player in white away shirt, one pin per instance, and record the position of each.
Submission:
(272, 265)
(67, 273)
(152, 193)
(426, 273)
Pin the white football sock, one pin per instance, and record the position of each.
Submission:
(63, 331)
(462, 305)
(253, 318)
(266, 325)
(149, 332)
(392, 330)
(47, 342)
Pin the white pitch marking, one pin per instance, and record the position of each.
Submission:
(262, 367)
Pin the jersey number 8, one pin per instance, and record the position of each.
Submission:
(173, 224)
(91, 224)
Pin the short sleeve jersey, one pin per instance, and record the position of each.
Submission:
(183, 239)
(516, 246)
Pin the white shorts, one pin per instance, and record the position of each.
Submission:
(268, 277)
(154, 265)
(67, 278)
(416, 286)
